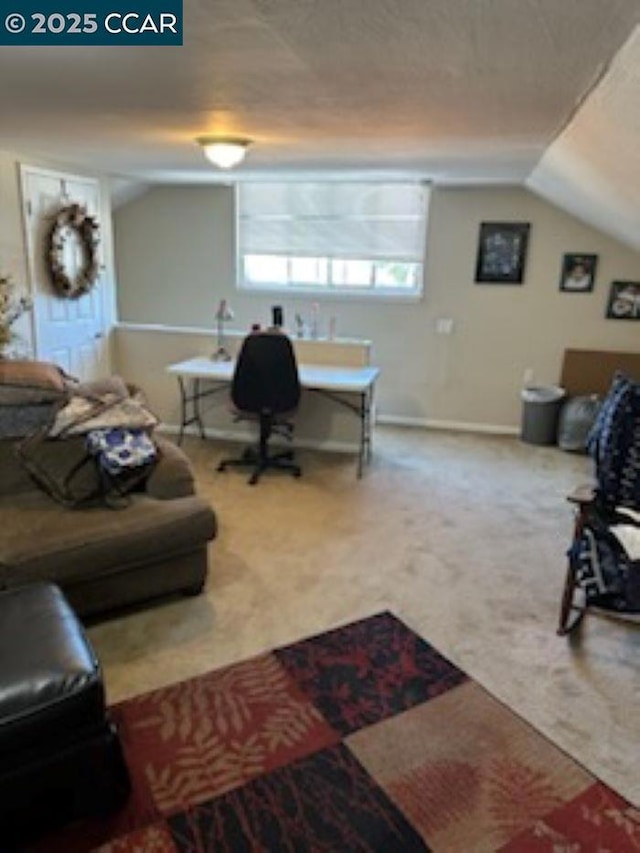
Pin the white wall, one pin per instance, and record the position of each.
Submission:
(142, 354)
(13, 259)
(175, 260)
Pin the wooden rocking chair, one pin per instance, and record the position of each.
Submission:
(602, 510)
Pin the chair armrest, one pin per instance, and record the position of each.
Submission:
(173, 476)
(582, 495)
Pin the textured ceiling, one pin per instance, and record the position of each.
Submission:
(593, 168)
(456, 90)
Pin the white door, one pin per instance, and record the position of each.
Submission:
(69, 332)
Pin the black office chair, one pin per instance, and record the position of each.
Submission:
(266, 388)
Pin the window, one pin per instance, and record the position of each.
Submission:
(332, 237)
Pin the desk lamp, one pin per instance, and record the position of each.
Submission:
(222, 316)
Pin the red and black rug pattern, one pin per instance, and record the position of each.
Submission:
(364, 738)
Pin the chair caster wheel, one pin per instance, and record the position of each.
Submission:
(221, 467)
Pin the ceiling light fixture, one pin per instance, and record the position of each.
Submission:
(225, 152)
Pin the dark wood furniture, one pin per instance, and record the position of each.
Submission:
(587, 372)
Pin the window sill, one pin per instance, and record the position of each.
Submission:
(332, 295)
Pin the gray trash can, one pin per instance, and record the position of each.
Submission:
(540, 413)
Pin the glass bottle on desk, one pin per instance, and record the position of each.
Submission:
(315, 321)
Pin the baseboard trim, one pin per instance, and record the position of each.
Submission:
(244, 437)
(345, 446)
(457, 426)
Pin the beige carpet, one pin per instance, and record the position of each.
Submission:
(463, 537)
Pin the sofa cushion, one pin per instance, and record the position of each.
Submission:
(13, 476)
(173, 476)
(73, 472)
(43, 540)
(25, 382)
(50, 681)
(63, 468)
(19, 421)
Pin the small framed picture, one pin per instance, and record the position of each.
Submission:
(502, 252)
(578, 273)
(624, 301)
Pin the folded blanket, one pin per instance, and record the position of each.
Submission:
(628, 535)
(630, 513)
(108, 411)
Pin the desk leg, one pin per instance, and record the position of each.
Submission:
(364, 454)
(183, 408)
(194, 399)
(369, 426)
(197, 416)
(363, 433)
(362, 410)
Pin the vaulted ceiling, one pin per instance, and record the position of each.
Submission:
(459, 91)
(592, 169)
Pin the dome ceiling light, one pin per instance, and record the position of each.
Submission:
(225, 152)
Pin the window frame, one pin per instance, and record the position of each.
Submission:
(368, 293)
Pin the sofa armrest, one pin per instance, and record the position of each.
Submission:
(173, 476)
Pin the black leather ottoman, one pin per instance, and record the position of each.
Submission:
(60, 756)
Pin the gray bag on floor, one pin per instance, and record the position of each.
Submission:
(576, 419)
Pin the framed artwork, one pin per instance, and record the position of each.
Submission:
(624, 301)
(578, 273)
(502, 252)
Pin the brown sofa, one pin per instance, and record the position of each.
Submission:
(105, 558)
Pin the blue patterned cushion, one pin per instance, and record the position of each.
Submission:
(614, 444)
(118, 450)
(619, 386)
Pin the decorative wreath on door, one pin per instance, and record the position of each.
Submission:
(86, 228)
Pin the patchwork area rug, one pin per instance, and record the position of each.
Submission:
(361, 739)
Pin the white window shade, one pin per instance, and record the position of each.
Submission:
(334, 220)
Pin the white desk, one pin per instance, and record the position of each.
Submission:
(208, 377)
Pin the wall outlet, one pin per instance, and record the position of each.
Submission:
(529, 376)
(444, 326)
